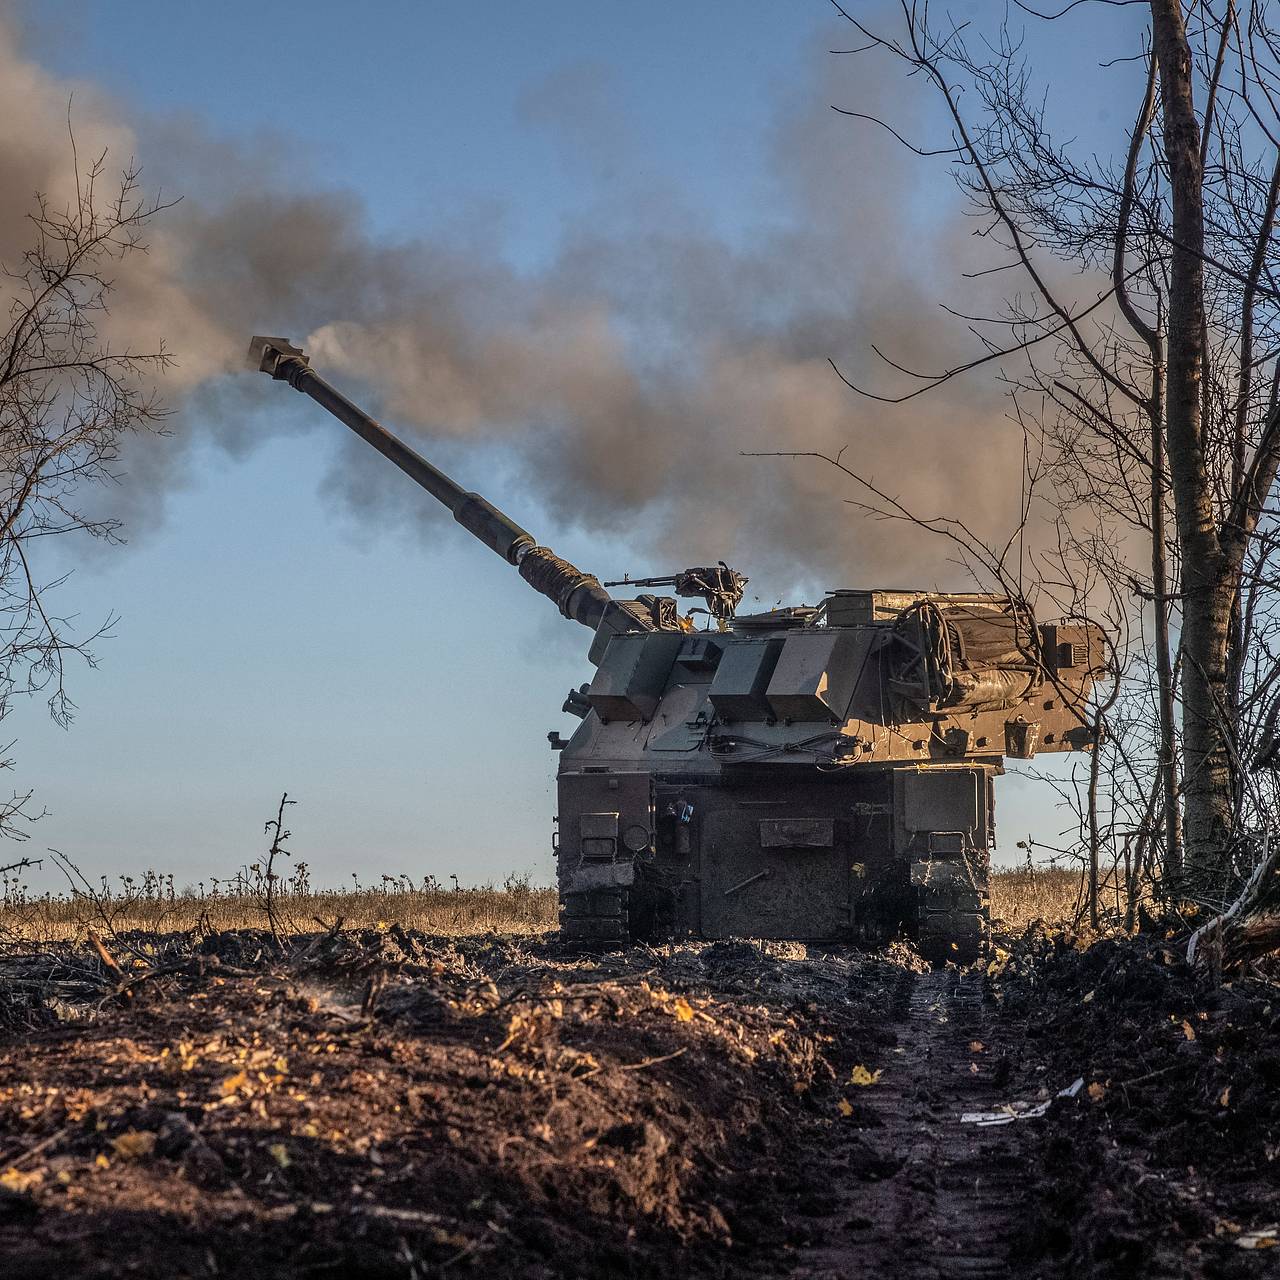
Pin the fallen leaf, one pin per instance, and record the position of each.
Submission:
(1097, 1091)
(1088, 998)
(1263, 1238)
(101, 1162)
(973, 1068)
(280, 1154)
(1224, 1098)
(233, 1084)
(1188, 1030)
(862, 1077)
(16, 1180)
(800, 1086)
(134, 1144)
(682, 1009)
(976, 1046)
(845, 1107)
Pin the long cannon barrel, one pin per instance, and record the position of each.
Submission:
(578, 595)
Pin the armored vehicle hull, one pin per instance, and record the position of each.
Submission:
(812, 774)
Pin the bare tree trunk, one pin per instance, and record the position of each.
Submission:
(1207, 589)
(1155, 341)
(1164, 667)
(1094, 837)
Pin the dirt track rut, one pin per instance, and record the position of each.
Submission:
(919, 1194)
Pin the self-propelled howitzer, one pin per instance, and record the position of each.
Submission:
(818, 773)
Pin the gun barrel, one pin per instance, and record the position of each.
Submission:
(578, 595)
(287, 363)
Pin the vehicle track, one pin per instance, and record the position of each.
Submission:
(918, 1193)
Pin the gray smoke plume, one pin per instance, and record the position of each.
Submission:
(624, 378)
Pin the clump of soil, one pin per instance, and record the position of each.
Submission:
(1170, 1154)
(385, 1103)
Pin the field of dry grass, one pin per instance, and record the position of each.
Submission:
(516, 907)
(1020, 895)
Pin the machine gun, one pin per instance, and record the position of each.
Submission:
(720, 586)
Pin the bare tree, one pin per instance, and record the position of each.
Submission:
(1146, 377)
(269, 876)
(68, 399)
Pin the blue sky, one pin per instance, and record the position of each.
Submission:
(398, 681)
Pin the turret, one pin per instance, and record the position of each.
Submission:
(576, 594)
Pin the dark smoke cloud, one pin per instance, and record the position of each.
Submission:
(625, 377)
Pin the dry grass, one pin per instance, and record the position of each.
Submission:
(518, 907)
(1021, 895)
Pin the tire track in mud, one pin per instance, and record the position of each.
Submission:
(919, 1194)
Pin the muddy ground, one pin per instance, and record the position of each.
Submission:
(387, 1104)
